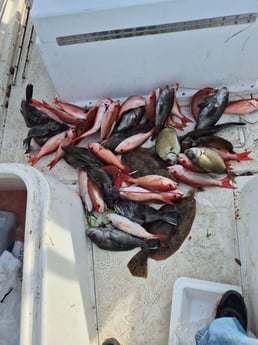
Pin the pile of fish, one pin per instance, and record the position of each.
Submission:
(131, 175)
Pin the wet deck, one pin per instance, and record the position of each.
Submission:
(133, 310)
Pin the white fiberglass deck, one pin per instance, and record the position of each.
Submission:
(133, 310)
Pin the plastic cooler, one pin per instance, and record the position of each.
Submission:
(57, 304)
(99, 49)
(193, 306)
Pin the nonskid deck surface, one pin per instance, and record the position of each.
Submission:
(133, 310)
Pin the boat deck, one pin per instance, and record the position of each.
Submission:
(133, 310)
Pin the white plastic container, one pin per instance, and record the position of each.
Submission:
(193, 306)
(57, 305)
(119, 67)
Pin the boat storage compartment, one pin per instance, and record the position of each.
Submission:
(57, 299)
(110, 49)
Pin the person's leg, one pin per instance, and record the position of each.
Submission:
(224, 331)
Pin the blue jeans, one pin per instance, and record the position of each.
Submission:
(224, 331)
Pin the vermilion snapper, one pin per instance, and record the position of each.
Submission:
(50, 146)
(109, 120)
(84, 190)
(73, 109)
(154, 183)
(134, 141)
(131, 227)
(150, 106)
(114, 173)
(131, 102)
(70, 135)
(106, 156)
(97, 123)
(50, 114)
(196, 179)
(226, 155)
(89, 121)
(242, 106)
(144, 195)
(96, 196)
(62, 115)
(176, 111)
(187, 163)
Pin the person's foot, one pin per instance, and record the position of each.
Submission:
(232, 304)
(111, 341)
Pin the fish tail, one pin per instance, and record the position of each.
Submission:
(169, 217)
(228, 166)
(125, 178)
(162, 238)
(29, 92)
(138, 264)
(117, 180)
(184, 119)
(126, 170)
(152, 243)
(36, 103)
(52, 164)
(187, 120)
(226, 183)
(244, 156)
(179, 126)
(156, 132)
(33, 160)
(76, 140)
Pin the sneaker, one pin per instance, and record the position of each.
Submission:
(232, 304)
(111, 341)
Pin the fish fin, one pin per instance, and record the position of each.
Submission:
(52, 164)
(138, 266)
(244, 156)
(231, 175)
(174, 124)
(169, 217)
(126, 170)
(228, 166)
(184, 119)
(33, 160)
(29, 93)
(156, 132)
(226, 183)
(36, 103)
(152, 243)
(162, 239)
(125, 178)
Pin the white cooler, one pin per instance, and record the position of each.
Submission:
(57, 302)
